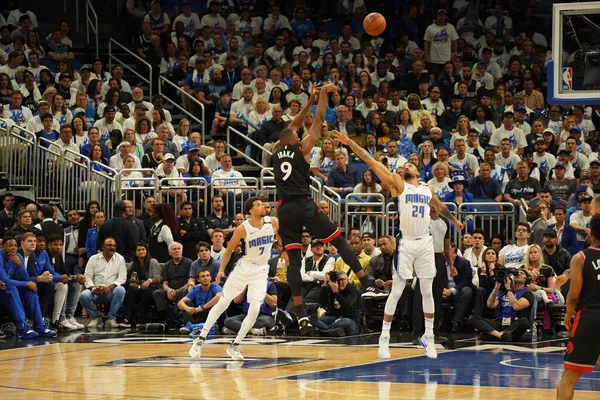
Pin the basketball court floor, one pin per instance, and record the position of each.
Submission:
(124, 365)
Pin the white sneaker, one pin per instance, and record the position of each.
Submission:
(234, 352)
(384, 347)
(196, 349)
(258, 332)
(95, 324)
(65, 326)
(111, 324)
(76, 324)
(429, 346)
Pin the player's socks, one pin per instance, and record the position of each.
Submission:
(429, 327)
(386, 327)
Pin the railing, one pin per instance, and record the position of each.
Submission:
(334, 200)
(17, 150)
(135, 189)
(91, 24)
(174, 191)
(366, 211)
(235, 191)
(492, 217)
(246, 139)
(112, 57)
(184, 95)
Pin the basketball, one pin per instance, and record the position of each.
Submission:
(374, 24)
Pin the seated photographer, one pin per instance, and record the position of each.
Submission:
(264, 322)
(513, 307)
(198, 301)
(338, 298)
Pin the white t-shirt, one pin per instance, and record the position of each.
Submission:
(228, 178)
(440, 39)
(581, 220)
(440, 188)
(213, 22)
(516, 136)
(190, 24)
(105, 128)
(514, 256)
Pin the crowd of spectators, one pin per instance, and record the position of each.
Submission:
(458, 89)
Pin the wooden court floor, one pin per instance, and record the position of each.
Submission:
(151, 369)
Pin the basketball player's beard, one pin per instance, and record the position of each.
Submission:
(408, 176)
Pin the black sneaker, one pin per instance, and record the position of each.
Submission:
(373, 291)
(304, 326)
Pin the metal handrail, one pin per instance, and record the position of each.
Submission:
(93, 24)
(111, 56)
(353, 207)
(184, 94)
(247, 139)
(335, 200)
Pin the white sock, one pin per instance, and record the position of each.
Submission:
(429, 327)
(385, 329)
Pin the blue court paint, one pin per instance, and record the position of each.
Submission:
(469, 368)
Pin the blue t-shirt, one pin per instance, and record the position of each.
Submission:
(199, 297)
(265, 309)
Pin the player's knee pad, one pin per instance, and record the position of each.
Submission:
(426, 286)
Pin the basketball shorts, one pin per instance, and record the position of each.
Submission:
(583, 348)
(247, 274)
(417, 255)
(303, 212)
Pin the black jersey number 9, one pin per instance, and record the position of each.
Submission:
(286, 168)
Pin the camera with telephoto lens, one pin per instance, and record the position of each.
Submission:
(501, 273)
(333, 276)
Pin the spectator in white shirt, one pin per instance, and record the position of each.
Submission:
(227, 176)
(105, 275)
(118, 160)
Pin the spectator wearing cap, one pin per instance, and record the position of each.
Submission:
(560, 187)
(554, 255)
(544, 160)
(139, 111)
(167, 170)
(440, 43)
(107, 124)
(29, 90)
(575, 149)
(508, 130)
(582, 147)
(550, 139)
(491, 67)
(24, 27)
(483, 187)
(15, 111)
(313, 269)
(368, 245)
(580, 221)
(521, 119)
(183, 162)
(118, 160)
(433, 103)
(458, 183)
(305, 38)
(500, 57)
(63, 88)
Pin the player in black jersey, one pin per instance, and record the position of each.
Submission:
(583, 314)
(291, 166)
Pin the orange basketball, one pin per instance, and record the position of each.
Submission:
(374, 24)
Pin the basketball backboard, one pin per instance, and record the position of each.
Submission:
(574, 70)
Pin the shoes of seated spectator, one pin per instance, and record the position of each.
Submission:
(227, 331)
(95, 324)
(304, 326)
(30, 334)
(258, 332)
(124, 324)
(196, 349)
(45, 332)
(186, 329)
(234, 352)
(76, 324)
(429, 346)
(383, 351)
(506, 337)
(374, 291)
(111, 324)
(65, 326)
(339, 332)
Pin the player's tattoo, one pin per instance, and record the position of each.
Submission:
(444, 211)
(359, 151)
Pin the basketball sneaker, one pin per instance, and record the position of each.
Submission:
(374, 291)
(234, 352)
(304, 326)
(384, 347)
(73, 322)
(429, 346)
(196, 349)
